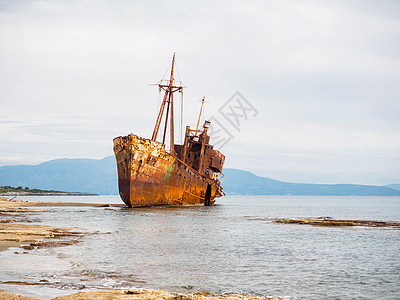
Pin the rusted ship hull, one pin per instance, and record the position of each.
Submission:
(148, 175)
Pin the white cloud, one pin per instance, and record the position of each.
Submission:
(322, 74)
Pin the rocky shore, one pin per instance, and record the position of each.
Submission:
(339, 223)
(27, 236)
(15, 231)
(143, 294)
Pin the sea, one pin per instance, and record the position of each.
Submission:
(233, 246)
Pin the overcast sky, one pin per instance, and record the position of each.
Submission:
(322, 78)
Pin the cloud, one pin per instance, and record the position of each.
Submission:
(323, 76)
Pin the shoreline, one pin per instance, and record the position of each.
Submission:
(16, 194)
(15, 216)
(24, 203)
(143, 294)
(15, 232)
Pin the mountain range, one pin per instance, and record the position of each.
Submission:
(99, 176)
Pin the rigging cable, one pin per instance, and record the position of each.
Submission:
(169, 68)
(181, 116)
(181, 91)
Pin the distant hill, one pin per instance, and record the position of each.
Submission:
(395, 186)
(99, 176)
(246, 183)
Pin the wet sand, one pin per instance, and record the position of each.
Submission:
(21, 203)
(15, 234)
(14, 212)
(27, 236)
(143, 294)
(8, 296)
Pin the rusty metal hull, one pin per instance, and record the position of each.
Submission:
(148, 175)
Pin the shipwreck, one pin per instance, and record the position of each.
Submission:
(185, 174)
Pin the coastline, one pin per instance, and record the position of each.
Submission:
(14, 232)
(143, 294)
(14, 194)
(43, 286)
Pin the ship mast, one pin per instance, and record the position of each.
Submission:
(168, 100)
(201, 110)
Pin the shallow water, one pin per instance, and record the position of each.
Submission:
(230, 247)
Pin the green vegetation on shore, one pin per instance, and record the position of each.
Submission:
(10, 190)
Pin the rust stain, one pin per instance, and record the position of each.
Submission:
(148, 175)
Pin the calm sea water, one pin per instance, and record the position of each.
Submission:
(230, 247)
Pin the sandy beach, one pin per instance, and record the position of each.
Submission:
(142, 294)
(15, 234)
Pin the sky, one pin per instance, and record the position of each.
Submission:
(305, 91)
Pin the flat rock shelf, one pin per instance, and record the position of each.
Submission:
(333, 222)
